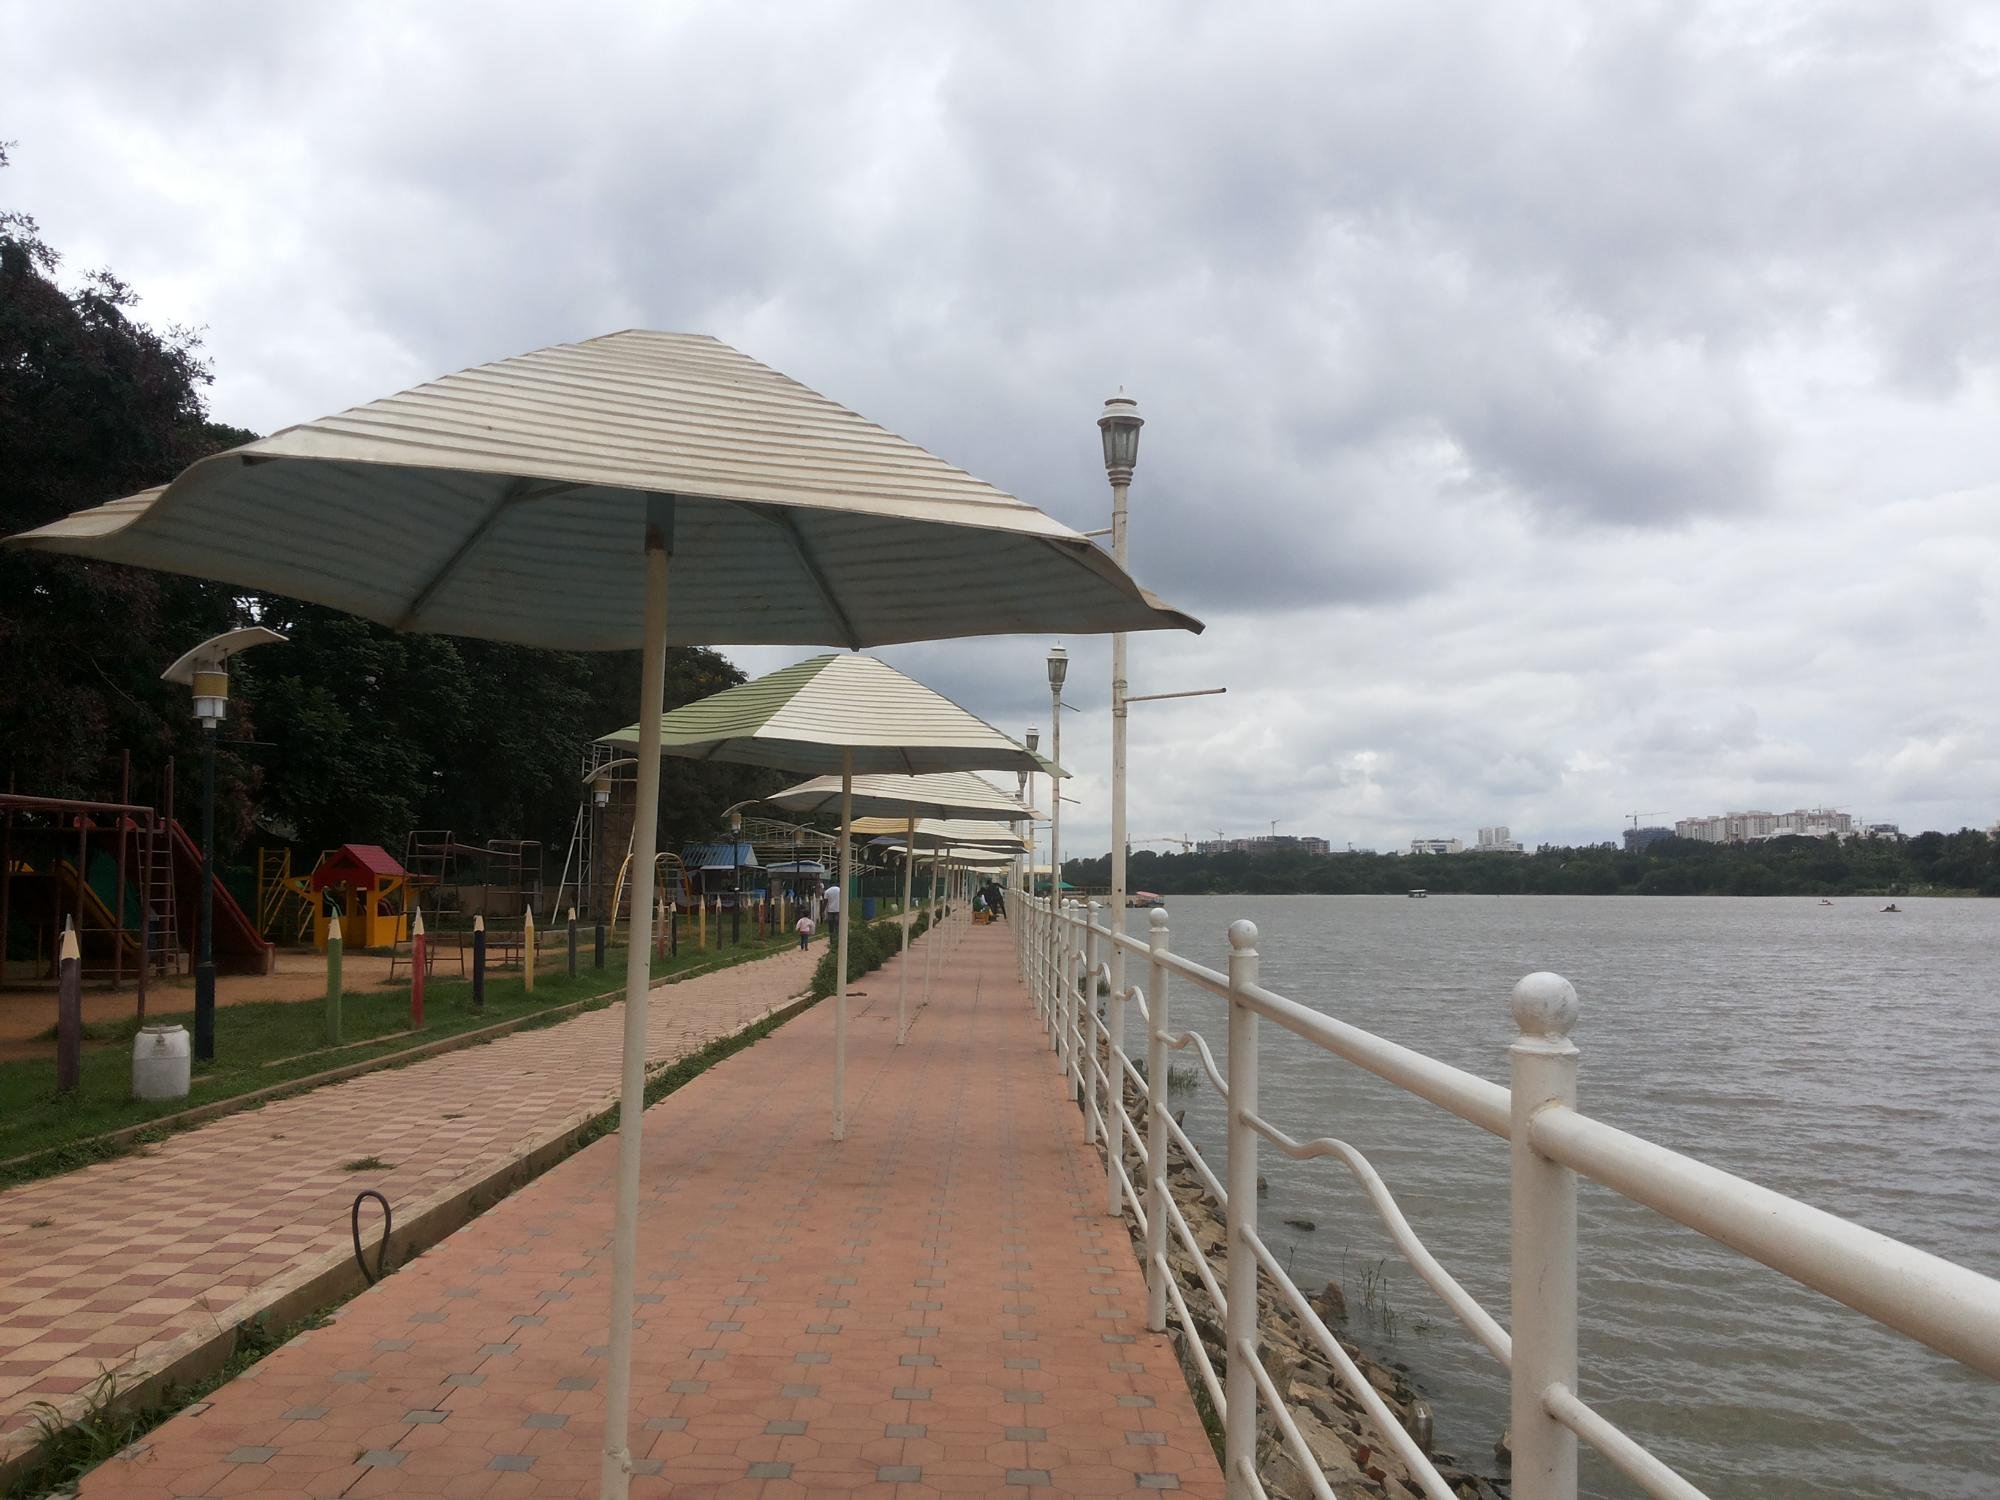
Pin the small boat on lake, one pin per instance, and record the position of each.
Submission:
(1419, 895)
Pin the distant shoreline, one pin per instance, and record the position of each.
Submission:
(1966, 863)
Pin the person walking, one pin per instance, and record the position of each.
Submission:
(995, 902)
(831, 900)
(804, 928)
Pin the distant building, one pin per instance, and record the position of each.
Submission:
(1437, 846)
(1756, 826)
(1498, 840)
(1265, 843)
(1639, 840)
(1890, 831)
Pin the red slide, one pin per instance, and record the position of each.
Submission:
(239, 947)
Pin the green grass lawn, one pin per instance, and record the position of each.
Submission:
(262, 1043)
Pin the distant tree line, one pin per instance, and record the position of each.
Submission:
(349, 733)
(1966, 862)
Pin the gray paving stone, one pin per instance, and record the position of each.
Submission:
(250, 1455)
(899, 1474)
(511, 1463)
(768, 1471)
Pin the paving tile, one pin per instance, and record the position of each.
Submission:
(962, 1165)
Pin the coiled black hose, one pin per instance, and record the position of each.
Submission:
(382, 1250)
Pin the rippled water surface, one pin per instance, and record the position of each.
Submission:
(1837, 1054)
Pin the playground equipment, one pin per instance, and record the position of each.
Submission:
(370, 893)
(127, 877)
(499, 878)
(670, 879)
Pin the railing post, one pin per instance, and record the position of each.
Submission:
(1156, 1123)
(1087, 1016)
(1543, 1064)
(1239, 1418)
(1114, 1066)
(1073, 959)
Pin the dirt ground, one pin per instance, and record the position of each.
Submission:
(25, 1013)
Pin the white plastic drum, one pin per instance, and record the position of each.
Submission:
(160, 1062)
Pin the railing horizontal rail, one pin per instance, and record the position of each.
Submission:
(1947, 1307)
(1631, 1460)
(1954, 1310)
(1359, 1385)
(1478, 1322)
(1467, 1095)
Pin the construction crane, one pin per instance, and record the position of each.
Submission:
(1636, 816)
(1184, 841)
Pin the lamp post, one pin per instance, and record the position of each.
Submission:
(1027, 786)
(600, 802)
(736, 878)
(1119, 426)
(205, 670)
(1058, 670)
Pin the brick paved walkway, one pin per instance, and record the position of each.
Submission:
(937, 1305)
(124, 1265)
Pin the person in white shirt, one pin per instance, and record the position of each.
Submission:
(832, 899)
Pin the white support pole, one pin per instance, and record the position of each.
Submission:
(840, 956)
(1543, 1282)
(1088, 1015)
(1066, 961)
(615, 1470)
(1156, 1123)
(903, 968)
(1239, 1419)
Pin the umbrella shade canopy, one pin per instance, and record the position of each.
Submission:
(506, 502)
(946, 833)
(942, 794)
(807, 716)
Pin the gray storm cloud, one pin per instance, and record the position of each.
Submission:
(1556, 410)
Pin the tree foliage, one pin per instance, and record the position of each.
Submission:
(1966, 861)
(350, 732)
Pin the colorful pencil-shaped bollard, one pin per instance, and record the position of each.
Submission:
(333, 954)
(528, 953)
(69, 1013)
(419, 961)
(572, 942)
(701, 923)
(479, 963)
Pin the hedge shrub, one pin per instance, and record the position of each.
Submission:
(869, 946)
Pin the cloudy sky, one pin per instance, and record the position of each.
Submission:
(1557, 411)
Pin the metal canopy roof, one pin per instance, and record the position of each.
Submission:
(507, 502)
(941, 794)
(809, 715)
(946, 833)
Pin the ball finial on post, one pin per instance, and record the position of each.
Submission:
(1243, 935)
(1545, 1005)
(1157, 919)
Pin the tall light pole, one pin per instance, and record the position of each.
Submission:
(1058, 670)
(1027, 788)
(205, 670)
(1119, 426)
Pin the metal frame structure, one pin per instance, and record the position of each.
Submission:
(1065, 951)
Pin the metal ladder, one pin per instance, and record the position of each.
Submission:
(156, 890)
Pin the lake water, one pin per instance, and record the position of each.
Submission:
(1836, 1054)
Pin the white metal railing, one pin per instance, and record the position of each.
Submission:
(1064, 952)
